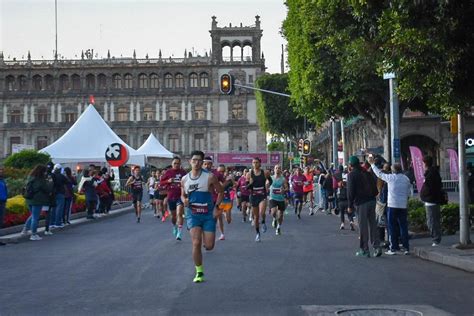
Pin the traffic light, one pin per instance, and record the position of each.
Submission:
(306, 147)
(304, 160)
(300, 146)
(453, 124)
(226, 84)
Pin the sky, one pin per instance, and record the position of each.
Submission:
(124, 25)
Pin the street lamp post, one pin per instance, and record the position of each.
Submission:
(394, 117)
(334, 143)
(464, 227)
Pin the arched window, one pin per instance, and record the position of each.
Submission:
(49, 82)
(10, 83)
(22, 85)
(154, 81)
(143, 81)
(15, 116)
(237, 112)
(41, 142)
(76, 82)
(102, 81)
(237, 142)
(63, 83)
(148, 113)
(193, 80)
(199, 112)
(226, 51)
(247, 51)
(127, 81)
(204, 78)
(42, 115)
(90, 82)
(37, 83)
(174, 142)
(70, 117)
(236, 51)
(168, 81)
(199, 141)
(122, 115)
(117, 80)
(179, 78)
(174, 113)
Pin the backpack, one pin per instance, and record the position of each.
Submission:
(28, 192)
(369, 184)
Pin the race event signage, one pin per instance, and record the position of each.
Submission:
(116, 155)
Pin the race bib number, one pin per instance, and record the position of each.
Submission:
(199, 209)
(276, 191)
(259, 191)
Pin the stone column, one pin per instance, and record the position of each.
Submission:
(131, 112)
(25, 113)
(5, 114)
(106, 111)
(79, 109)
(138, 116)
(190, 113)
(60, 117)
(208, 141)
(163, 117)
(183, 142)
(183, 111)
(53, 113)
(157, 111)
(32, 113)
(112, 111)
(208, 113)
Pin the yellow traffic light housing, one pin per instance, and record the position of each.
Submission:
(300, 146)
(226, 84)
(454, 124)
(306, 147)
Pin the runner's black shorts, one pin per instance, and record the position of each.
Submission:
(298, 196)
(256, 199)
(160, 197)
(137, 196)
(278, 204)
(244, 198)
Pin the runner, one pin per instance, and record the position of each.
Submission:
(297, 181)
(258, 197)
(244, 193)
(226, 204)
(151, 193)
(308, 188)
(160, 196)
(136, 183)
(172, 180)
(278, 191)
(201, 215)
(207, 165)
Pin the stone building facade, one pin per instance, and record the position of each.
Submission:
(178, 99)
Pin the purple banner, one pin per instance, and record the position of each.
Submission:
(245, 159)
(418, 167)
(453, 164)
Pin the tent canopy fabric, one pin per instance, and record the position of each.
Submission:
(87, 141)
(153, 148)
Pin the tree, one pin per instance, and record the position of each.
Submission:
(275, 115)
(26, 159)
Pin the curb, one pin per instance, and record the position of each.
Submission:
(80, 220)
(451, 260)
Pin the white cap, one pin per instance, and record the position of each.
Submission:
(57, 167)
(344, 177)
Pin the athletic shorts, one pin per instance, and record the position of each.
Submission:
(160, 197)
(298, 196)
(278, 204)
(306, 194)
(226, 206)
(206, 222)
(256, 199)
(244, 198)
(173, 204)
(137, 196)
(151, 196)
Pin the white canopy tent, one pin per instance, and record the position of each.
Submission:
(153, 148)
(87, 141)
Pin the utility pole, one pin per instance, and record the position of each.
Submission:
(343, 138)
(334, 143)
(464, 233)
(394, 117)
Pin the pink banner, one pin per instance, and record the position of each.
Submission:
(245, 159)
(418, 167)
(453, 164)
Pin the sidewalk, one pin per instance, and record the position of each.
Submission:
(13, 234)
(445, 253)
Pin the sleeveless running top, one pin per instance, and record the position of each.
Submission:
(137, 185)
(276, 189)
(258, 187)
(197, 190)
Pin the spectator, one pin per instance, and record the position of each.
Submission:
(381, 207)
(59, 181)
(342, 203)
(68, 195)
(329, 192)
(49, 221)
(109, 177)
(398, 192)
(431, 195)
(41, 190)
(87, 186)
(103, 192)
(3, 199)
(361, 193)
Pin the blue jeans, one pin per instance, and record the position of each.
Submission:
(59, 210)
(398, 215)
(32, 221)
(67, 209)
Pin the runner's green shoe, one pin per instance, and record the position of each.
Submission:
(199, 277)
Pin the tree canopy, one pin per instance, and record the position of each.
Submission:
(26, 159)
(338, 51)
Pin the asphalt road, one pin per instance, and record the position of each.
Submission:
(118, 267)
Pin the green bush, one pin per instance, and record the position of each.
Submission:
(26, 159)
(15, 173)
(450, 218)
(417, 219)
(15, 186)
(414, 203)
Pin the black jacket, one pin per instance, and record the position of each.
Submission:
(59, 181)
(361, 188)
(432, 187)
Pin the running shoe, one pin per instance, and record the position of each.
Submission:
(351, 224)
(362, 253)
(222, 237)
(390, 253)
(48, 233)
(35, 237)
(378, 252)
(163, 219)
(199, 277)
(175, 231)
(257, 238)
(278, 231)
(264, 227)
(342, 226)
(311, 212)
(24, 232)
(178, 235)
(274, 223)
(299, 216)
(138, 220)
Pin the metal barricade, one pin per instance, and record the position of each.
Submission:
(123, 194)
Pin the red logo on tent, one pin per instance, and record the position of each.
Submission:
(91, 100)
(116, 155)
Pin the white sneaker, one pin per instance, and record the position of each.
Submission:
(390, 253)
(24, 232)
(48, 233)
(222, 237)
(406, 253)
(434, 245)
(257, 238)
(35, 237)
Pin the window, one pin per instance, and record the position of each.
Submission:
(237, 112)
(76, 82)
(154, 81)
(174, 113)
(42, 115)
(49, 82)
(199, 112)
(204, 80)
(122, 114)
(198, 142)
(250, 78)
(13, 141)
(10, 83)
(123, 137)
(70, 117)
(127, 81)
(148, 114)
(15, 116)
(174, 142)
(143, 81)
(237, 142)
(168, 81)
(22, 85)
(193, 80)
(179, 80)
(117, 79)
(102, 81)
(63, 83)
(41, 142)
(90, 82)
(37, 83)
